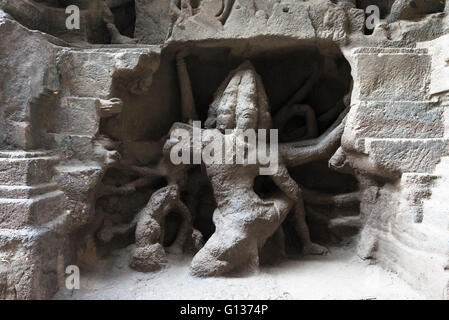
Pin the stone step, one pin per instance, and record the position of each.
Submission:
(416, 188)
(407, 155)
(91, 70)
(40, 248)
(74, 146)
(415, 178)
(383, 119)
(76, 115)
(16, 170)
(391, 74)
(78, 181)
(19, 154)
(37, 210)
(26, 192)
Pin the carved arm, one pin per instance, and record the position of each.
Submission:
(298, 153)
(187, 100)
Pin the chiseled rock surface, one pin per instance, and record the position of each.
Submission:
(307, 20)
(28, 64)
(45, 196)
(152, 21)
(396, 131)
(70, 112)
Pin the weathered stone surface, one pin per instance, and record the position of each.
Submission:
(26, 195)
(385, 74)
(412, 238)
(383, 119)
(17, 213)
(77, 116)
(29, 263)
(78, 182)
(416, 188)
(27, 61)
(308, 20)
(88, 73)
(27, 171)
(152, 21)
(407, 155)
(94, 122)
(402, 139)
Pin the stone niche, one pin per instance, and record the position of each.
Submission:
(86, 118)
(283, 70)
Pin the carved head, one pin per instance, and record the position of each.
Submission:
(225, 118)
(247, 118)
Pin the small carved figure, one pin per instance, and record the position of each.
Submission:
(225, 11)
(413, 9)
(179, 10)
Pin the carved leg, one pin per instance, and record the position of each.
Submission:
(225, 252)
(303, 231)
(107, 233)
(223, 15)
(185, 230)
(228, 249)
(235, 244)
(149, 254)
(287, 113)
(279, 238)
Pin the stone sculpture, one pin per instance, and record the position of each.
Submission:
(87, 116)
(246, 221)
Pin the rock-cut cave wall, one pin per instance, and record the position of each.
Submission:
(78, 122)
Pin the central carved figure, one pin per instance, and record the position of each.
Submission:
(243, 220)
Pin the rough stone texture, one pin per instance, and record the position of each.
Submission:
(399, 232)
(31, 213)
(440, 68)
(47, 195)
(30, 258)
(306, 20)
(84, 136)
(27, 76)
(408, 71)
(384, 119)
(51, 18)
(403, 10)
(152, 21)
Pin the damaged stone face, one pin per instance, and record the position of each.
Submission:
(89, 117)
